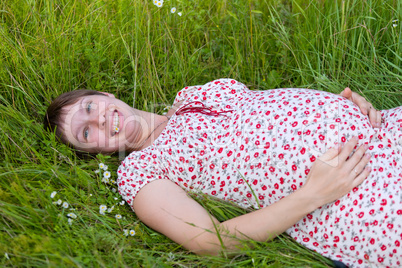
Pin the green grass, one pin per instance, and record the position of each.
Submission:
(144, 55)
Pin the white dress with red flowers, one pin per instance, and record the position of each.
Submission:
(260, 146)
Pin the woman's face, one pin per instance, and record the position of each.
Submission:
(99, 123)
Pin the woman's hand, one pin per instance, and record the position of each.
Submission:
(365, 107)
(336, 173)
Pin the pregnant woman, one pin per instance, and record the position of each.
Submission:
(309, 162)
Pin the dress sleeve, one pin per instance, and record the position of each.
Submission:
(137, 170)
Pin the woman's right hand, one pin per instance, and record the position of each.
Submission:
(337, 172)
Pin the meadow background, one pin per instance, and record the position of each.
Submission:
(145, 54)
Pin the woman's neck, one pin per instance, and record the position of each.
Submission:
(149, 127)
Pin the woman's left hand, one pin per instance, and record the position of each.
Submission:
(365, 107)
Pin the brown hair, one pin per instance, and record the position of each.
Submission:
(54, 112)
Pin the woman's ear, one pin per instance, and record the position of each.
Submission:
(108, 94)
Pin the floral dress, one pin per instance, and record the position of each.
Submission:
(258, 147)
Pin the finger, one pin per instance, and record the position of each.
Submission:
(379, 118)
(362, 176)
(347, 149)
(357, 158)
(373, 117)
(360, 101)
(359, 167)
(329, 155)
(347, 93)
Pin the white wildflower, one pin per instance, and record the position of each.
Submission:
(118, 216)
(394, 25)
(101, 165)
(72, 215)
(173, 10)
(179, 14)
(105, 180)
(113, 190)
(70, 221)
(106, 174)
(102, 209)
(105, 167)
(159, 3)
(156, 2)
(53, 194)
(121, 203)
(65, 205)
(97, 171)
(170, 256)
(6, 255)
(110, 209)
(132, 232)
(125, 231)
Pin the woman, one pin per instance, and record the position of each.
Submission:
(257, 149)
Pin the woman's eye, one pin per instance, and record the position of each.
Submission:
(86, 133)
(89, 105)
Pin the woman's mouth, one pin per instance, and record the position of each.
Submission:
(116, 124)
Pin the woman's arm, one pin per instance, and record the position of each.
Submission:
(165, 207)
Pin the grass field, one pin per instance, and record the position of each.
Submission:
(145, 54)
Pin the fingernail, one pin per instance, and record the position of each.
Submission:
(368, 155)
(365, 146)
(368, 168)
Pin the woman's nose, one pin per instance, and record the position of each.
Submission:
(102, 121)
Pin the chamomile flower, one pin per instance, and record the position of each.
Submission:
(110, 209)
(125, 232)
(122, 203)
(58, 202)
(72, 215)
(105, 167)
(105, 180)
(156, 2)
(101, 165)
(159, 3)
(102, 209)
(106, 174)
(179, 14)
(118, 216)
(97, 171)
(70, 221)
(132, 232)
(65, 205)
(53, 194)
(173, 10)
